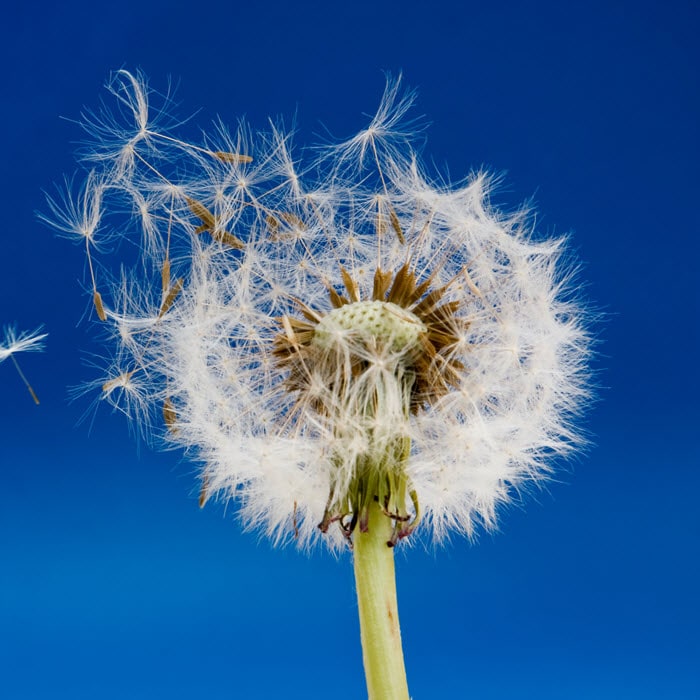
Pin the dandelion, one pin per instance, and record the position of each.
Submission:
(352, 350)
(24, 342)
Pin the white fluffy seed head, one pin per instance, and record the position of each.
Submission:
(288, 323)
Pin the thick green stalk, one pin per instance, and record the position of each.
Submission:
(379, 615)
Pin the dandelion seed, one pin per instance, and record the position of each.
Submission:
(99, 306)
(232, 157)
(170, 297)
(201, 212)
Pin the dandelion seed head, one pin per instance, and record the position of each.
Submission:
(354, 329)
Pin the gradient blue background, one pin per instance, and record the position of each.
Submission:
(113, 584)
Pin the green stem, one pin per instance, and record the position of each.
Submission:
(379, 614)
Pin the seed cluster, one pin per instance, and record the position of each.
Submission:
(325, 336)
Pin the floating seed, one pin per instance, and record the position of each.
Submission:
(229, 157)
(201, 212)
(170, 297)
(99, 307)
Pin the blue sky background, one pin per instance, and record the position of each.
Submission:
(114, 585)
